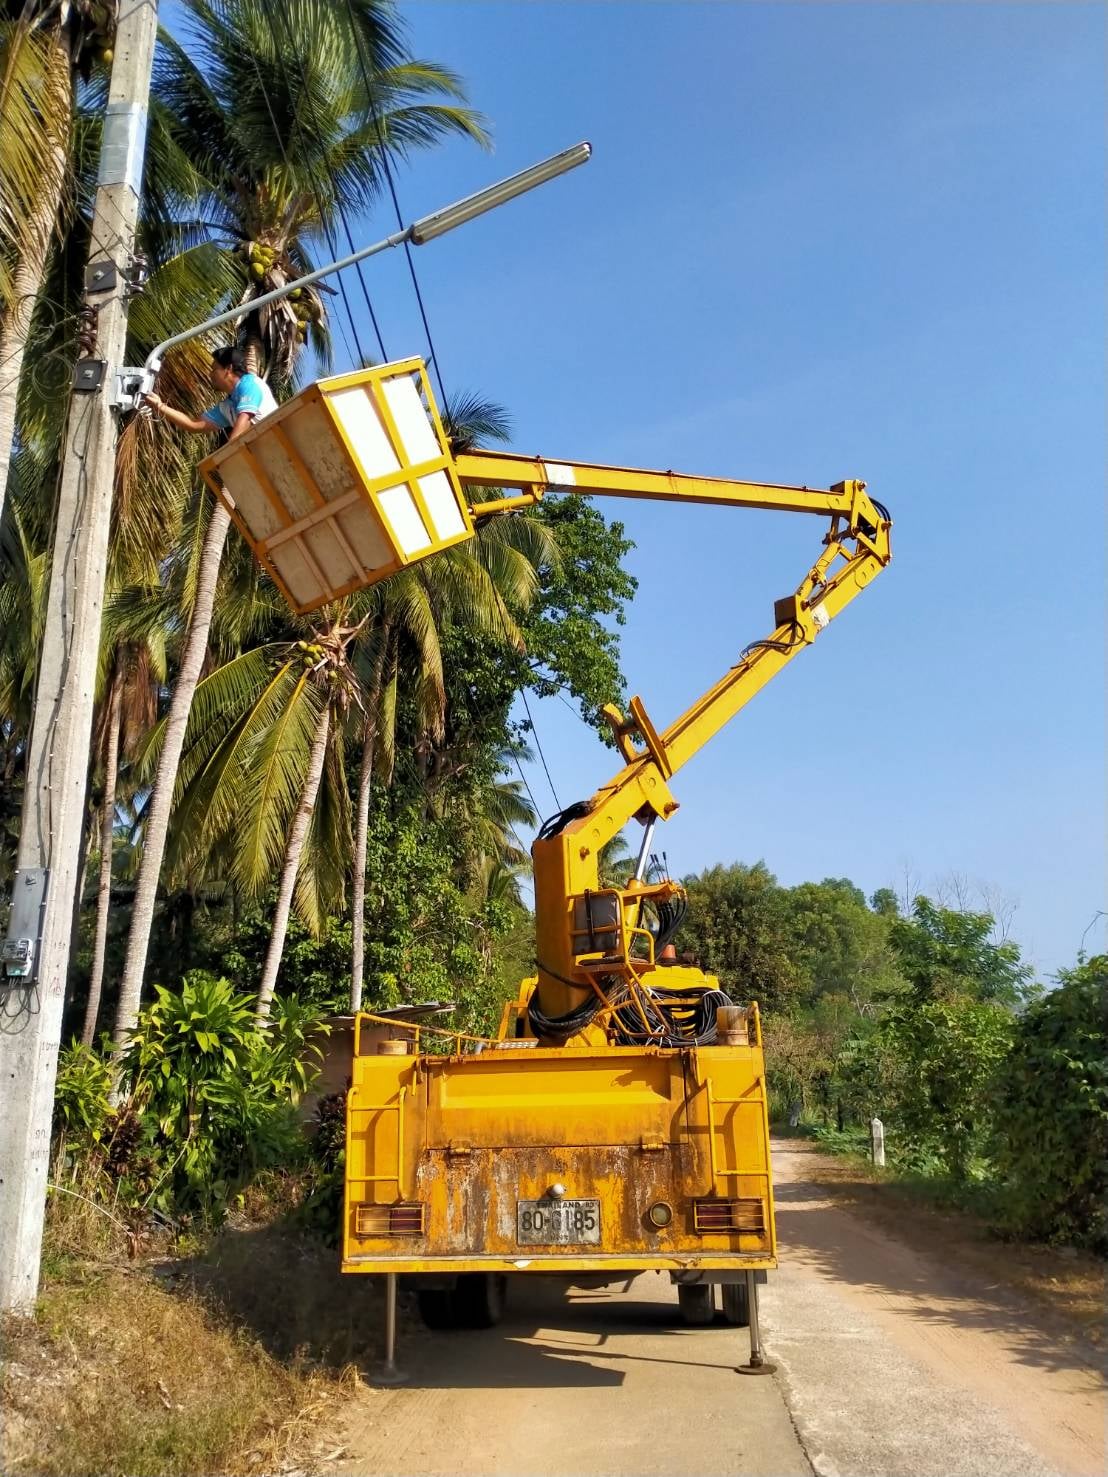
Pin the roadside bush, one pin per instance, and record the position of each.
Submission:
(82, 1106)
(930, 1071)
(321, 1210)
(208, 1101)
(1050, 1139)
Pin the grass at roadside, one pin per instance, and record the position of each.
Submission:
(220, 1361)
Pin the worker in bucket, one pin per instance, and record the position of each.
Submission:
(247, 398)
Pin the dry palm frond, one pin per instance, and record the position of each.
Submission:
(36, 115)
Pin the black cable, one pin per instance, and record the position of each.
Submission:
(359, 44)
(335, 192)
(676, 1018)
(559, 1027)
(526, 786)
(560, 819)
(538, 745)
(782, 646)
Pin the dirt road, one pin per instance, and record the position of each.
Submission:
(890, 1363)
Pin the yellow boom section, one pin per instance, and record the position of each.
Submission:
(856, 547)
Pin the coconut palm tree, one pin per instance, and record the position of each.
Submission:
(45, 46)
(271, 106)
(263, 766)
(135, 668)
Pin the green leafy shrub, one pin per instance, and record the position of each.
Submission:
(321, 1209)
(82, 1106)
(210, 1099)
(1050, 1139)
(929, 1070)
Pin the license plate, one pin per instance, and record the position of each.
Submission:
(558, 1222)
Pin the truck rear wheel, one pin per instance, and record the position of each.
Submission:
(697, 1303)
(736, 1309)
(436, 1308)
(480, 1298)
(475, 1301)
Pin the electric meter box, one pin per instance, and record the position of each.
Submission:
(343, 485)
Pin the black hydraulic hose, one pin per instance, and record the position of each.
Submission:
(561, 819)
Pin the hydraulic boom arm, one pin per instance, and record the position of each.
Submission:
(855, 548)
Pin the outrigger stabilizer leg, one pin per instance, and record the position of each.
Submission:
(758, 1364)
(388, 1374)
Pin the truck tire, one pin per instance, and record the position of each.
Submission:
(475, 1301)
(736, 1309)
(436, 1308)
(697, 1303)
(479, 1299)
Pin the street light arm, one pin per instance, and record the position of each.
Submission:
(427, 228)
(156, 355)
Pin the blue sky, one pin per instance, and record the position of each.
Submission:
(815, 242)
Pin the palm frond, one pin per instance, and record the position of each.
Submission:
(270, 786)
(36, 114)
(469, 418)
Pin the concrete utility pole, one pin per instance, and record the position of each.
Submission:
(36, 953)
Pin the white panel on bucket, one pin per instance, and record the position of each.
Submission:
(329, 554)
(442, 506)
(276, 463)
(412, 421)
(255, 509)
(365, 536)
(310, 430)
(293, 568)
(402, 513)
(362, 424)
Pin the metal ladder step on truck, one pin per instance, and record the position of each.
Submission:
(618, 1122)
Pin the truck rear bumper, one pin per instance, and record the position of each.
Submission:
(378, 1264)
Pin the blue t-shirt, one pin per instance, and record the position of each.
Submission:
(251, 395)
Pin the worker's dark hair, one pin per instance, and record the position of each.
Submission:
(230, 358)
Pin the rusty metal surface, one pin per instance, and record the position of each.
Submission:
(470, 1136)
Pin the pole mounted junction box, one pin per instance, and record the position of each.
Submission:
(19, 950)
(348, 482)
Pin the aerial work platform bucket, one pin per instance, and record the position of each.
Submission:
(345, 484)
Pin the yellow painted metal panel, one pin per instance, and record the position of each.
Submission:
(469, 1136)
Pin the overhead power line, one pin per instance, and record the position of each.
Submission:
(359, 45)
(334, 189)
(316, 192)
(538, 745)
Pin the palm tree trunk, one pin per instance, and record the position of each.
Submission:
(361, 838)
(297, 836)
(79, 891)
(107, 833)
(361, 825)
(161, 799)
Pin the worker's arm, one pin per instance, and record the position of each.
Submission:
(178, 417)
(201, 423)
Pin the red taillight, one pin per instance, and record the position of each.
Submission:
(405, 1219)
(747, 1216)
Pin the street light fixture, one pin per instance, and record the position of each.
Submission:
(441, 221)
